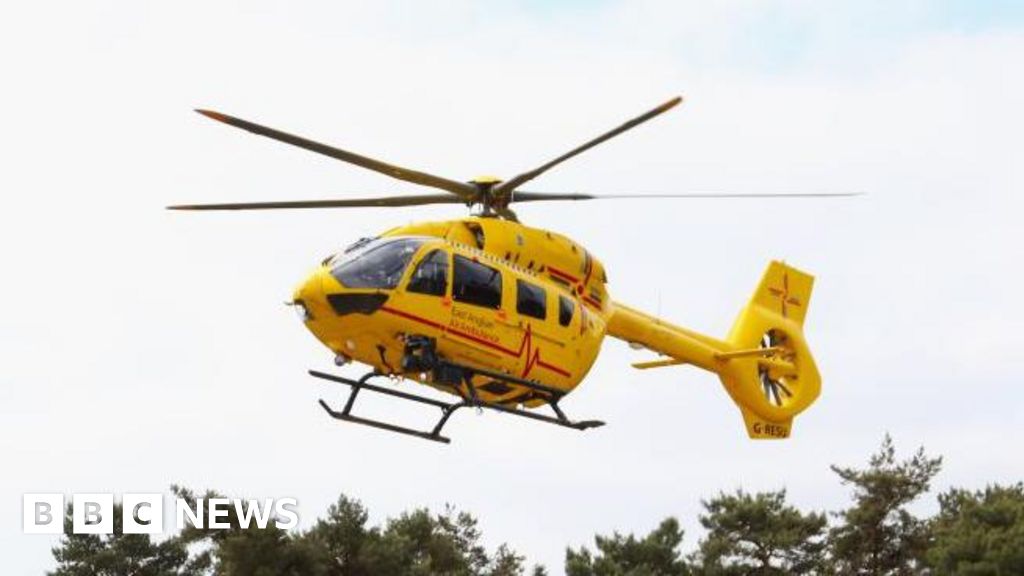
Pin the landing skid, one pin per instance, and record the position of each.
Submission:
(465, 388)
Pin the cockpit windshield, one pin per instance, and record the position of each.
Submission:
(377, 263)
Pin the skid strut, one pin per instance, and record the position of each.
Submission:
(464, 387)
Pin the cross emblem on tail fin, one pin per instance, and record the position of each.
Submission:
(784, 296)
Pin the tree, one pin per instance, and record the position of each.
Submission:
(877, 535)
(342, 536)
(759, 535)
(415, 543)
(979, 533)
(340, 544)
(507, 563)
(420, 543)
(250, 551)
(120, 554)
(656, 554)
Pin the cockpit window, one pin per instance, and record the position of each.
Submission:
(378, 263)
(361, 243)
(431, 276)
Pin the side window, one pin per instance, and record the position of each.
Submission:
(531, 300)
(565, 309)
(431, 276)
(476, 283)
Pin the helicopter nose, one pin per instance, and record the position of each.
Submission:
(308, 299)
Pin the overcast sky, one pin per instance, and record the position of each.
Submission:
(140, 347)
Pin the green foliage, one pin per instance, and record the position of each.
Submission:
(342, 536)
(877, 535)
(266, 552)
(120, 554)
(417, 543)
(979, 533)
(656, 554)
(759, 535)
(507, 563)
(252, 551)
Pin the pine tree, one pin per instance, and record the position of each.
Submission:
(250, 551)
(979, 533)
(656, 554)
(759, 535)
(878, 536)
(415, 543)
(120, 554)
(341, 544)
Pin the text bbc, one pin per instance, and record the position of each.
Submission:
(144, 513)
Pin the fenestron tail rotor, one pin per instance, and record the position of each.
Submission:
(775, 389)
(491, 195)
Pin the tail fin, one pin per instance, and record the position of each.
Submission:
(771, 373)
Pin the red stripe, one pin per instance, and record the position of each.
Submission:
(592, 302)
(556, 272)
(590, 267)
(406, 315)
(524, 346)
(553, 368)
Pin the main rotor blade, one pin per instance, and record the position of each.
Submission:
(386, 201)
(556, 196)
(461, 189)
(521, 179)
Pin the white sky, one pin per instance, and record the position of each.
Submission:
(140, 347)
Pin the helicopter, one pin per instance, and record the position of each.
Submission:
(506, 317)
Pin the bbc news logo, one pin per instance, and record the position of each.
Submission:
(144, 513)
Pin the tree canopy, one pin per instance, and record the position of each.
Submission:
(656, 554)
(979, 533)
(877, 535)
(759, 534)
(975, 533)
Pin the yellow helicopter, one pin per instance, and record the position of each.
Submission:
(511, 318)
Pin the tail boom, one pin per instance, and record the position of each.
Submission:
(764, 364)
